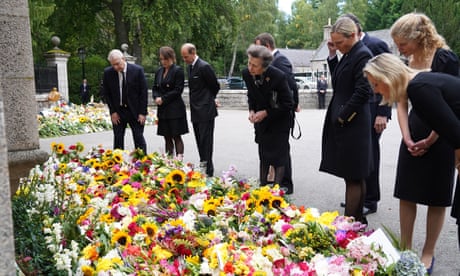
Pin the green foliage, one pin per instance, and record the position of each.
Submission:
(221, 29)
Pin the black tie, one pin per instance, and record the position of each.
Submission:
(124, 94)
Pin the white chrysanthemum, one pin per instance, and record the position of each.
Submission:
(189, 218)
(197, 200)
(277, 227)
(260, 262)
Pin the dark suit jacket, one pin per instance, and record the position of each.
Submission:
(377, 47)
(347, 148)
(136, 89)
(321, 85)
(281, 62)
(203, 88)
(82, 89)
(259, 98)
(170, 90)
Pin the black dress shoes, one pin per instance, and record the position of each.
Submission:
(368, 211)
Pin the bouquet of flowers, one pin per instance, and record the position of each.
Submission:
(70, 119)
(112, 212)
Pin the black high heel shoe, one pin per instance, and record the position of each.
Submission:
(430, 269)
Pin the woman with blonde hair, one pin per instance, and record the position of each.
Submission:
(347, 143)
(434, 96)
(425, 171)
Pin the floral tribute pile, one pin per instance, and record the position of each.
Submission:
(70, 119)
(112, 212)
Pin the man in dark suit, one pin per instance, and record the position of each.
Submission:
(125, 91)
(203, 86)
(380, 115)
(270, 110)
(84, 92)
(281, 62)
(321, 87)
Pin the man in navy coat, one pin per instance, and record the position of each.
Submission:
(125, 92)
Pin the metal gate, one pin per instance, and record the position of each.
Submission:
(45, 78)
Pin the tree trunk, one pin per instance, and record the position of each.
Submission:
(232, 65)
(121, 28)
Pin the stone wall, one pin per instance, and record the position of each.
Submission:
(236, 99)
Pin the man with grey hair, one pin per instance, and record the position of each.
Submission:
(125, 92)
(270, 104)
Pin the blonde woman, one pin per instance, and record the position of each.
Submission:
(347, 143)
(423, 177)
(435, 98)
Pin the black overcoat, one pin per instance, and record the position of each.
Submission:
(347, 147)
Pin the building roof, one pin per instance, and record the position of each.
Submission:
(323, 52)
(298, 57)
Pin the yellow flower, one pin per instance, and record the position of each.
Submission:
(121, 238)
(85, 215)
(97, 166)
(175, 177)
(57, 148)
(90, 252)
(195, 260)
(83, 119)
(161, 254)
(117, 156)
(87, 270)
(150, 229)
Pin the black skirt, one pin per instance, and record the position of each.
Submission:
(172, 127)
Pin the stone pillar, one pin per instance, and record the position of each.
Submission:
(18, 92)
(57, 57)
(7, 255)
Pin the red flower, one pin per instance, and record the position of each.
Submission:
(228, 268)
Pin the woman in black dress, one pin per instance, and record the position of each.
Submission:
(167, 94)
(434, 96)
(422, 178)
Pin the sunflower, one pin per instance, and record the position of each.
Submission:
(57, 147)
(175, 177)
(121, 237)
(117, 156)
(150, 229)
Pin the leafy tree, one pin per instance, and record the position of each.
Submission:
(444, 15)
(381, 14)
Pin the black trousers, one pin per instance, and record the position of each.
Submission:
(204, 137)
(321, 100)
(127, 118)
(372, 181)
(287, 178)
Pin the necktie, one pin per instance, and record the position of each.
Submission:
(124, 93)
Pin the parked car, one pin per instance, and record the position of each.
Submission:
(236, 83)
(301, 84)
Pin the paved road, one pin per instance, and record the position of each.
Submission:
(234, 145)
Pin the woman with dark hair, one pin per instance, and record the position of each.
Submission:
(270, 103)
(167, 95)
